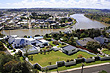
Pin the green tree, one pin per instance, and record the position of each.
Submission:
(26, 49)
(108, 46)
(93, 46)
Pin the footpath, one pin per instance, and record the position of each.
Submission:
(78, 68)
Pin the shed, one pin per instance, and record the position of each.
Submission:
(69, 49)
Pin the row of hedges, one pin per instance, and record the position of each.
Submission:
(71, 63)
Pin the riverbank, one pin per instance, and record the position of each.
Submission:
(106, 24)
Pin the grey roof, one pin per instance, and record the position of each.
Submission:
(85, 40)
(69, 47)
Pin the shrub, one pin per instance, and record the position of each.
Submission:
(41, 51)
(80, 60)
(48, 39)
(14, 50)
(63, 44)
(3, 53)
(97, 58)
(19, 53)
(55, 42)
(60, 63)
(25, 36)
(80, 56)
(67, 60)
(71, 60)
(37, 35)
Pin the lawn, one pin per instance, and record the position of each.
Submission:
(106, 51)
(52, 57)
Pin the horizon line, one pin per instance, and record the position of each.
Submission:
(53, 8)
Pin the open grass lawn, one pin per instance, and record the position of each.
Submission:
(55, 56)
(106, 51)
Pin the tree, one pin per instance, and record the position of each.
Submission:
(21, 67)
(72, 41)
(2, 47)
(93, 46)
(4, 59)
(12, 64)
(83, 35)
(44, 51)
(19, 53)
(9, 65)
(108, 46)
(26, 49)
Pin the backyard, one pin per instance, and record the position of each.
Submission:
(53, 57)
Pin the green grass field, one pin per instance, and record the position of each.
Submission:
(52, 57)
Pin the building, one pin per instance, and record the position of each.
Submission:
(69, 50)
(83, 42)
(102, 40)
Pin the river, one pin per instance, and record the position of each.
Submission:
(82, 23)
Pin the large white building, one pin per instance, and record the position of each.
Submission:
(19, 43)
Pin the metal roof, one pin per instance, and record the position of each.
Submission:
(69, 47)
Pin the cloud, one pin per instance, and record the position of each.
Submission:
(59, 4)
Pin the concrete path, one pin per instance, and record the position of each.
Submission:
(79, 68)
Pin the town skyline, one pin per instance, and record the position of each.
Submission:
(94, 4)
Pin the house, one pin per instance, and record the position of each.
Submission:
(69, 50)
(44, 42)
(21, 42)
(83, 42)
(102, 40)
(41, 43)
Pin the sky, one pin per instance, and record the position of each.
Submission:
(97, 4)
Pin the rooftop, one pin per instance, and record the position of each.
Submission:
(69, 47)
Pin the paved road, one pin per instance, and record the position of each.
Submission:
(91, 69)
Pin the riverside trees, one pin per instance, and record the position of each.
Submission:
(99, 17)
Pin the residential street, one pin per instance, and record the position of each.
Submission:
(94, 69)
